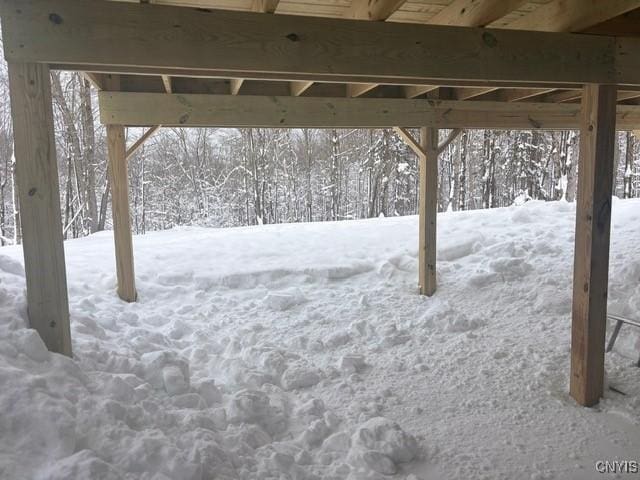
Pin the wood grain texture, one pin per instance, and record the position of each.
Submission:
(54, 31)
(428, 211)
(125, 271)
(37, 178)
(591, 260)
(265, 6)
(199, 74)
(572, 15)
(375, 10)
(474, 13)
(195, 110)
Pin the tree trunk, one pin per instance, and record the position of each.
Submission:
(17, 229)
(628, 167)
(89, 139)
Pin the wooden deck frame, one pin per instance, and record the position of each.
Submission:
(591, 258)
(39, 197)
(40, 34)
(194, 110)
(310, 47)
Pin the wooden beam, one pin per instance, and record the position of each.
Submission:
(572, 15)
(54, 31)
(428, 211)
(37, 179)
(147, 109)
(375, 10)
(116, 144)
(411, 142)
(474, 13)
(591, 258)
(298, 88)
(145, 136)
(200, 74)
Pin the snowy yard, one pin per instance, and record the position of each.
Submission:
(273, 352)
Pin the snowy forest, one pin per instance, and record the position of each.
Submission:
(231, 177)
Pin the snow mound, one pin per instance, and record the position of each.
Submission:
(303, 352)
(380, 445)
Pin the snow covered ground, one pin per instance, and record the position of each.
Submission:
(304, 352)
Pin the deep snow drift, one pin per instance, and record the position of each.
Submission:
(304, 352)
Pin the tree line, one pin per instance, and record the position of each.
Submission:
(230, 177)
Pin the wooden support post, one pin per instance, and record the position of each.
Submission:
(116, 143)
(37, 177)
(591, 260)
(428, 210)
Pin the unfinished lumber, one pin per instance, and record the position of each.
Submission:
(591, 258)
(310, 47)
(427, 210)
(116, 143)
(203, 110)
(37, 179)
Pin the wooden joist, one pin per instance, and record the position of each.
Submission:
(37, 179)
(591, 258)
(312, 48)
(147, 109)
